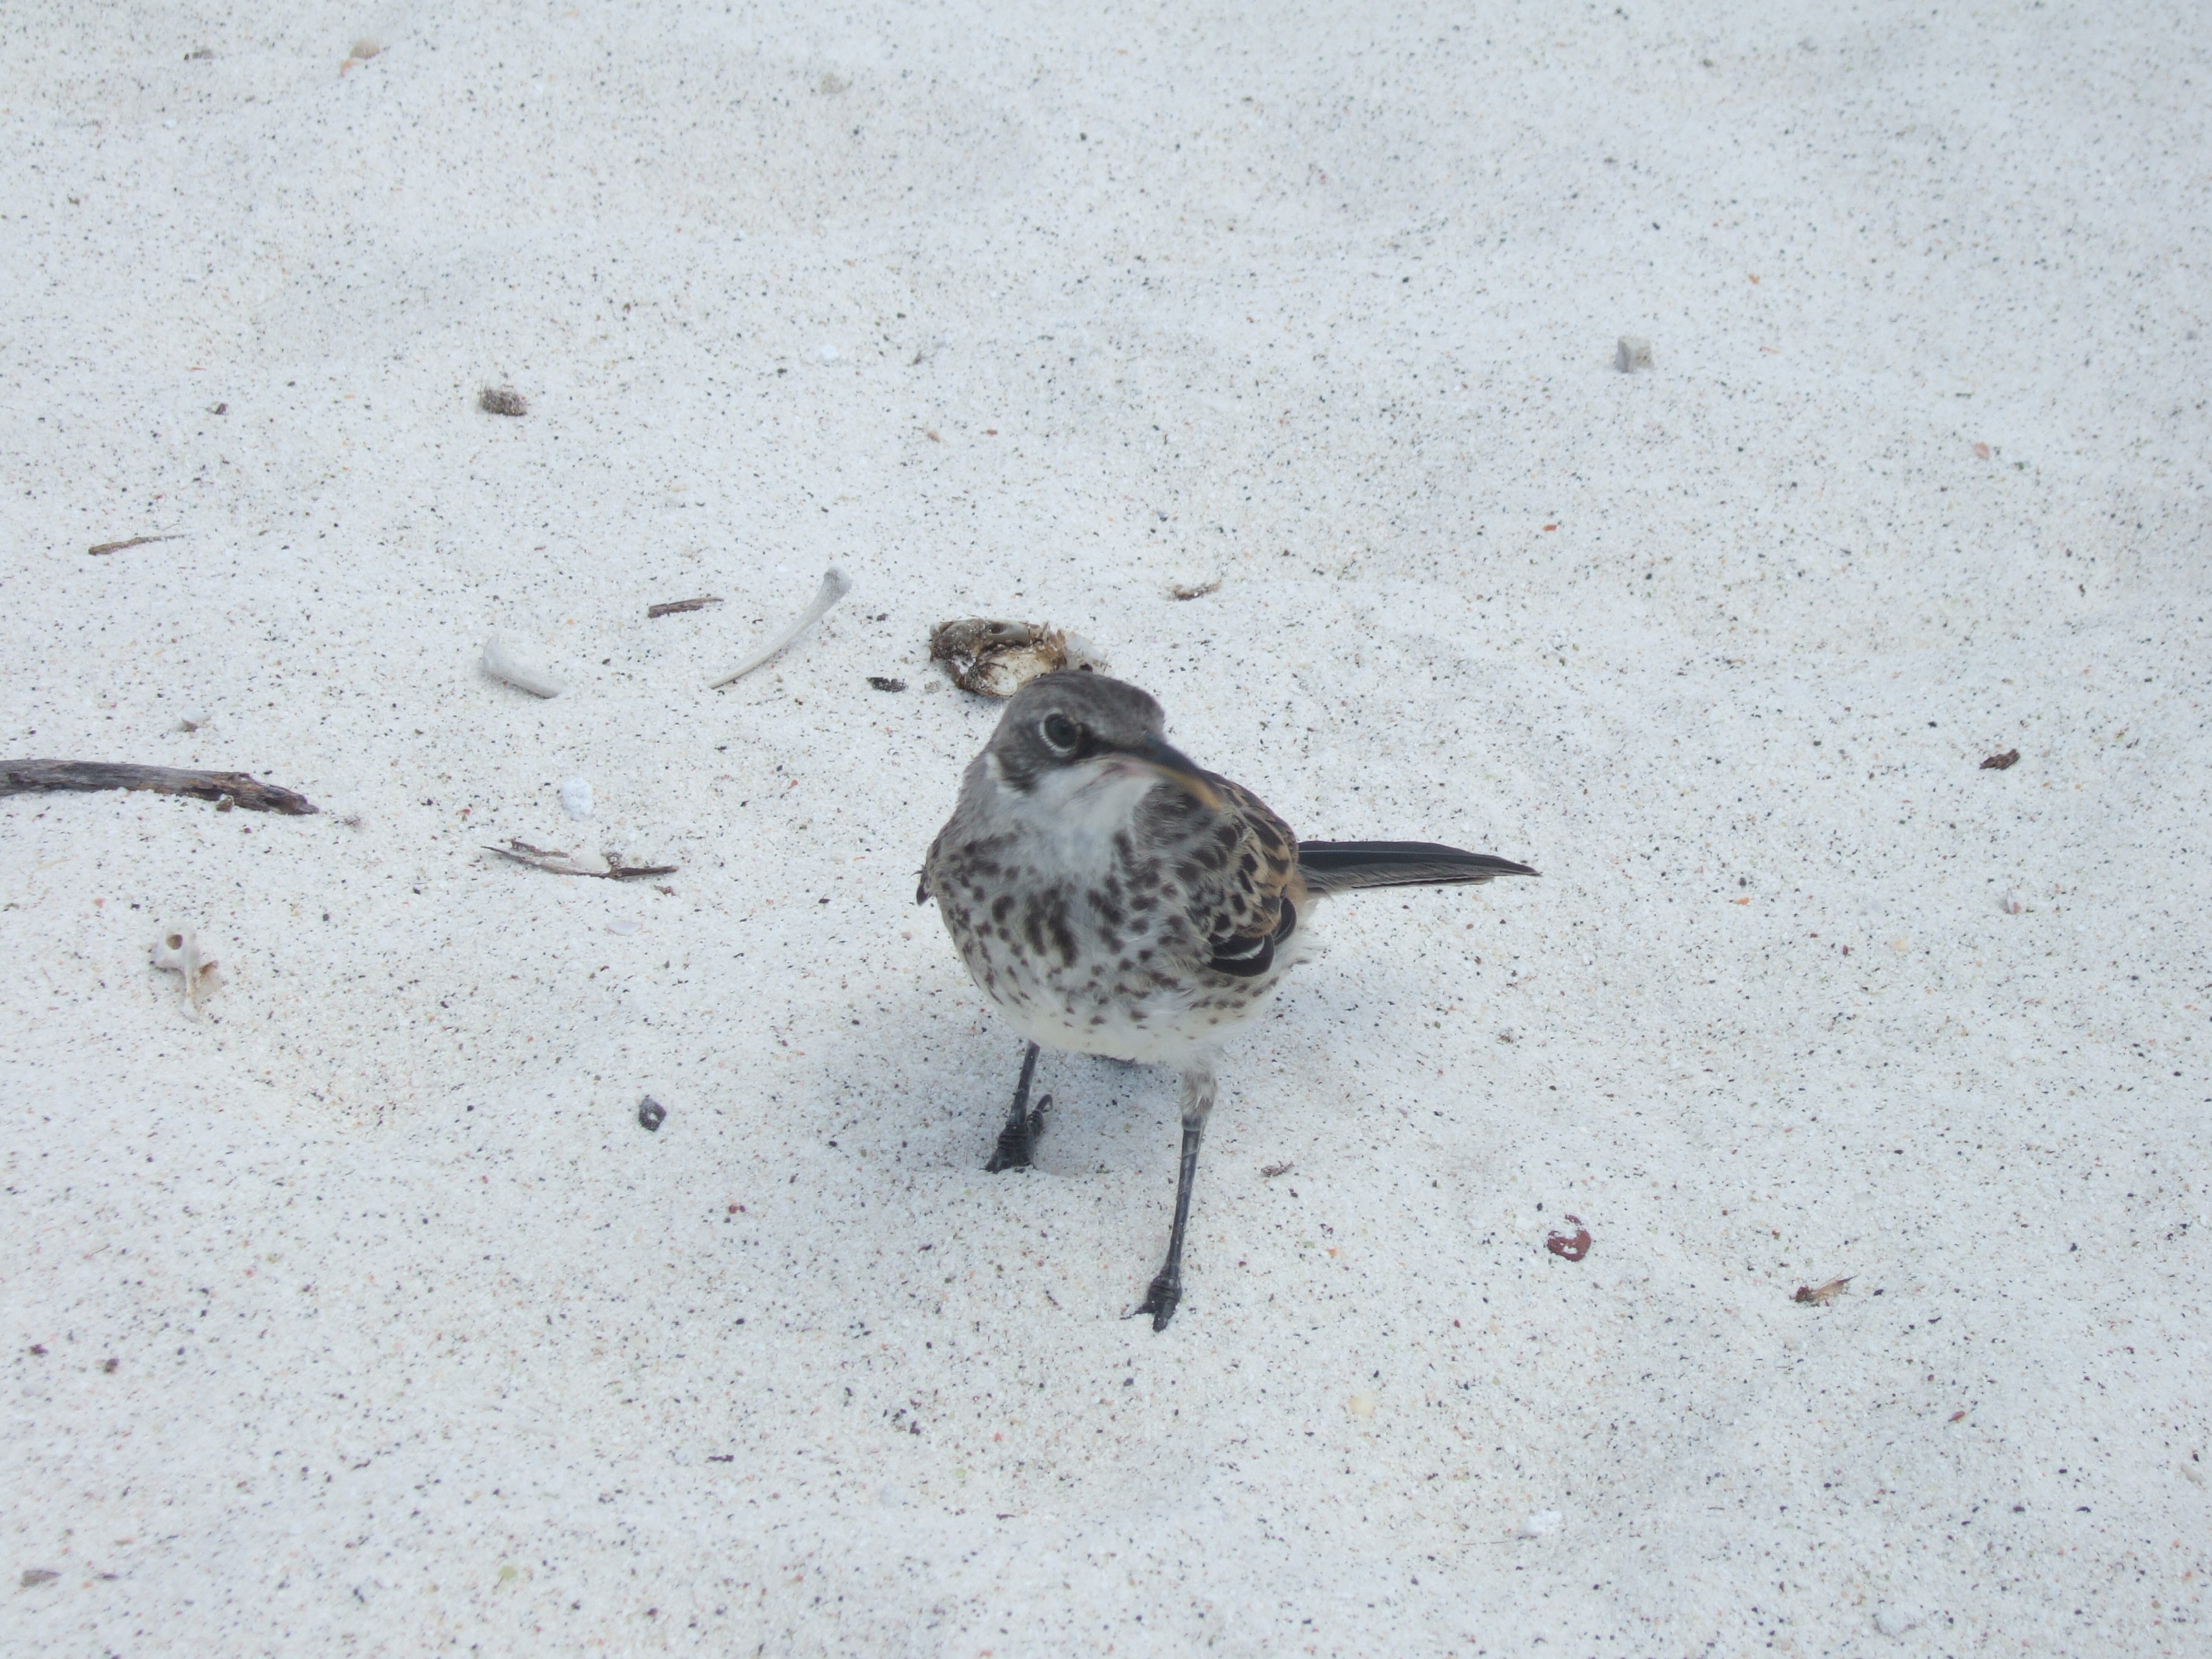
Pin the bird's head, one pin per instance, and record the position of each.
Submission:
(1071, 734)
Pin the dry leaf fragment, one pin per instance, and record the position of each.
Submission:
(1199, 591)
(674, 606)
(555, 862)
(1269, 1171)
(1827, 1292)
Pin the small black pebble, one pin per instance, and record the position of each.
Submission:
(886, 683)
(651, 1113)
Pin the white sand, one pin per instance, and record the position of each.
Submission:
(420, 1342)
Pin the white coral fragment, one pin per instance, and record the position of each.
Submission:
(500, 664)
(179, 953)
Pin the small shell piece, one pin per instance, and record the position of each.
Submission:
(995, 659)
(1631, 353)
(180, 953)
(1894, 1620)
(500, 664)
(576, 799)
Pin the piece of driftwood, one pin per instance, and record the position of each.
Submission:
(677, 607)
(25, 777)
(554, 862)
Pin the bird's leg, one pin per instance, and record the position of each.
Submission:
(1167, 1284)
(1022, 1127)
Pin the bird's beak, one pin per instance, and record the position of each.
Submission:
(1177, 768)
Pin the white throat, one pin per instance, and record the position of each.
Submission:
(1079, 809)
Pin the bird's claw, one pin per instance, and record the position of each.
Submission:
(1160, 1301)
(1018, 1140)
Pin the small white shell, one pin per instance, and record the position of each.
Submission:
(576, 799)
(503, 667)
(1543, 1521)
(1081, 654)
(180, 953)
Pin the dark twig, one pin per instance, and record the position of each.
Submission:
(558, 863)
(134, 541)
(25, 777)
(675, 606)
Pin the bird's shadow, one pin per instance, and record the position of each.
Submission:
(1106, 1115)
(935, 1084)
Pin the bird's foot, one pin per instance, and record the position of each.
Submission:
(1160, 1300)
(1018, 1140)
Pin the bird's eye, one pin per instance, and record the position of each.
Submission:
(1061, 734)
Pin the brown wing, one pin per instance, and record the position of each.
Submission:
(1238, 868)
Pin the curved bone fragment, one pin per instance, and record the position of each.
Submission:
(835, 586)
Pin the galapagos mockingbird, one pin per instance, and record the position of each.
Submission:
(1113, 898)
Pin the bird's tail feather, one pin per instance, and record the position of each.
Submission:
(1340, 866)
